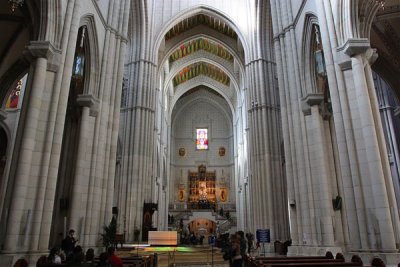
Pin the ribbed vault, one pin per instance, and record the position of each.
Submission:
(201, 50)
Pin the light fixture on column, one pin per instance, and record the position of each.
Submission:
(15, 4)
(381, 3)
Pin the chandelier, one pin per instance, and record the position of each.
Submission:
(15, 4)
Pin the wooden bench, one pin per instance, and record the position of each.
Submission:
(300, 261)
(51, 265)
(315, 264)
(135, 261)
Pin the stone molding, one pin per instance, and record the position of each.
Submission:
(89, 101)
(355, 46)
(40, 49)
(310, 100)
(43, 49)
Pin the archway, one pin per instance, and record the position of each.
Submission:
(200, 229)
(201, 76)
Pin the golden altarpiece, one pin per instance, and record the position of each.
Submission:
(202, 193)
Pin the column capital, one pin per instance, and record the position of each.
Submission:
(89, 101)
(3, 114)
(43, 49)
(40, 49)
(86, 100)
(355, 46)
(310, 100)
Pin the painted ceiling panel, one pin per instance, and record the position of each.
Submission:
(201, 68)
(201, 19)
(200, 44)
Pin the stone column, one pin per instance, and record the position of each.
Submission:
(82, 169)
(353, 215)
(320, 171)
(379, 213)
(20, 216)
(54, 127)
(138, 142)
(296, 156)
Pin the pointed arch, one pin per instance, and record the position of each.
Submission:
(51, 21)
(92, 68)
(356, 19)
(200, 9)
(308, 75)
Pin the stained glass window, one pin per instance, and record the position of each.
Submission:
(202, 139)
(16, 93)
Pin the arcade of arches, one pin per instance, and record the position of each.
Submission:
(201, 116)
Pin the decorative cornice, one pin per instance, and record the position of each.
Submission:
(86, 100)
(133, 62)
(40, 49)
(310, 100)
(313, 99)
(89, 101)
(355, 46)
(345, 64)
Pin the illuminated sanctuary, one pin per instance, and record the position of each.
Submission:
(204, 117)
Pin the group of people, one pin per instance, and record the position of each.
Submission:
(234, 249)
(73, 255)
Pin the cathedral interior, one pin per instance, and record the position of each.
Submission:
(201, 116)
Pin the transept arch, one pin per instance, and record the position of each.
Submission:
(205, 98)
(200, 43)
(197, 10)
(208, 82)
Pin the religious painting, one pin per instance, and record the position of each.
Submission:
(223, 194)
(181, 195)
(221, 151)
(201, 139)
(182, 151)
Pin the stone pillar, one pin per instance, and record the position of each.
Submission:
(54, 127)
(296, 156)
(19, 231)
(378, 214)
(82, 169)
(138, 139)
(319, 163)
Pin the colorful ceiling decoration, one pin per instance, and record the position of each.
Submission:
(201, 68)
(200, 44)
(200, 19)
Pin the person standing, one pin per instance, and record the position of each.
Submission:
(113, 259)
(68, 244)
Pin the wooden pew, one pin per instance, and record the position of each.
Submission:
(139, 261)
(301, 261)
(304, 261)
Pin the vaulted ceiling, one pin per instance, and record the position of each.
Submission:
(385, 37)
(202, 51)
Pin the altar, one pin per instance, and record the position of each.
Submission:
(202, 193)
